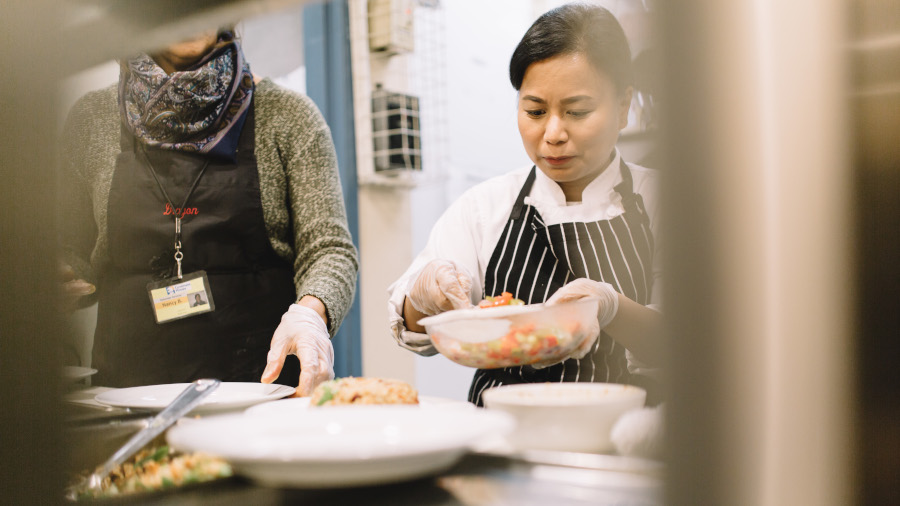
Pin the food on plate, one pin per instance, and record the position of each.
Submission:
(159, 468)
(527, 343)
(350, 390)
(504, 299)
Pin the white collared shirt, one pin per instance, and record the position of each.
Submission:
(468, 231)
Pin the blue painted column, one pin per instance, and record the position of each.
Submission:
(326, 46)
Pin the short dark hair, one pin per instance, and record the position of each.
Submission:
(575, 28)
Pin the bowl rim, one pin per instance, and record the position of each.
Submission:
(476, 313)
(498, 395)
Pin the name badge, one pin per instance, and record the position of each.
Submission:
(174, 298)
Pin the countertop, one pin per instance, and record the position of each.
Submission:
(479, 479)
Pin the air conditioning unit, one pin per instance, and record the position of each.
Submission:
(391, 26)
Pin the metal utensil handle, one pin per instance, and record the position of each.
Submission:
(186, 401)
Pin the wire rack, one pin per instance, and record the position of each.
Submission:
(420, 73)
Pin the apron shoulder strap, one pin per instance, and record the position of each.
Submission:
(626, 187)
(520, 200)
(632, 202)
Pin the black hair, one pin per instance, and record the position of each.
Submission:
(575, 28)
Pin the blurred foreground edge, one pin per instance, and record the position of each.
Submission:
(45, 40)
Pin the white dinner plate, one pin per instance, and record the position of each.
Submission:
(341, 446)
(229, 396)
(293, 406)
(74, 373)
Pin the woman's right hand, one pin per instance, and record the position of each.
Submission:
(442, 285)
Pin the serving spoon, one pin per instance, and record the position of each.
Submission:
(186, 401)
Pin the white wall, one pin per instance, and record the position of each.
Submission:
(484, 138)
(273, 43)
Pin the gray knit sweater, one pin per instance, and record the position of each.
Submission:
(299, 188)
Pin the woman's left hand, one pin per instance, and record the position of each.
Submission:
(582, 288)
(302, 332)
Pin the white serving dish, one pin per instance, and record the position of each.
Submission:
(341, 446)
(564, 416)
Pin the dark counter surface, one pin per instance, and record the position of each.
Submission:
(476, 480)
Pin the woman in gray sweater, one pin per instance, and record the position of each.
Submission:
(187, 178)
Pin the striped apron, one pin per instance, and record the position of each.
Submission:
(533, 260)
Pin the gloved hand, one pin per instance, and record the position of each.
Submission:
(442, 285)
(302, 332)
(640, 433)
(609, 305)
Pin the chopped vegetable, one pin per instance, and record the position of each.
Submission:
(157, 455)
(327, 395)
(504, 299)
(521, 345)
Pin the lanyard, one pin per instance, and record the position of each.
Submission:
(179, 256)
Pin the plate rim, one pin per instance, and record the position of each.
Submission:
(498, 397)
(256, 408)
(85, 372)
(345, 460)
(208, 403)
(319, 473)
(476, 313)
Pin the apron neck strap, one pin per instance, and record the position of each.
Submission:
(520, 200)
(626, 187)
(632, 202)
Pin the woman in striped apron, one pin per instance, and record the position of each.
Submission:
(573, 225)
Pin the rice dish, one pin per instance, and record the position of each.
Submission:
(350, 390)
(157, 468)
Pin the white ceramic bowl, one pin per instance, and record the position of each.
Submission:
(564, 416)
(507, 336)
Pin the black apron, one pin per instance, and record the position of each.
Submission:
(251, 285)
(533, 260)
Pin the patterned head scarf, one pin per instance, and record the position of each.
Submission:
(198, 110)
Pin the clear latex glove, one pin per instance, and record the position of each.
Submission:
(442, 285)
(640, 433)
(302, 332)
(609, 305)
